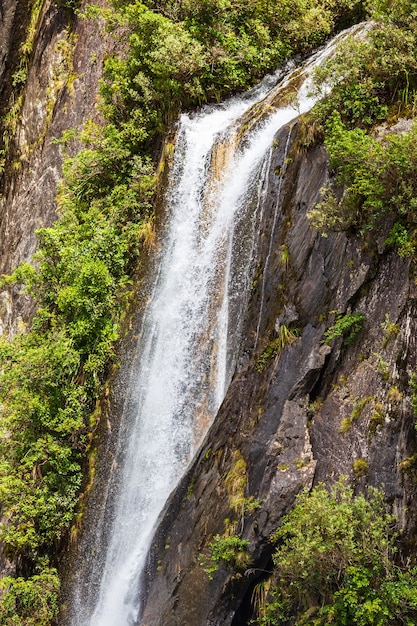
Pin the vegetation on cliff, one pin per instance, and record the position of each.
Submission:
(335, 564)
(175, 55)
(325, 570)
(52, 374)
(373, 81)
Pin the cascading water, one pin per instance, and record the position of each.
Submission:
(190, 331)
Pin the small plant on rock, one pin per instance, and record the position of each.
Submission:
(286, 336)
(230, 550)
(347, 326)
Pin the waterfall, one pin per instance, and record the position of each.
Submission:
(191, 328)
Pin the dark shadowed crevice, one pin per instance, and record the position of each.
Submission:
(247, 609)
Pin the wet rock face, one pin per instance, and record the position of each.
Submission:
(13, 21)
(60, 93)
(305, 415)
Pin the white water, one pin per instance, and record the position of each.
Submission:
(190, 333)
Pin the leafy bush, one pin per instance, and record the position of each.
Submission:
(29, 602)
(184, 53)
(335, 563)
(161, 73)
(227, 549)
(378, 72)
(378, 179)
(372, 79)
(402, 239)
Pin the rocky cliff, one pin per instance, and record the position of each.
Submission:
(58, 92)
(299, 414)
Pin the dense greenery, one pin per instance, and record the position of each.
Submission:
(51, 375)
(373, 80)
(379, 183)
(377, 73)
(335, 564)
(30, 602)
(242, 40)
(185, 53)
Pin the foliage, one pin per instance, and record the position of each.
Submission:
(230, 550)
(360, 467)
(391, 330)
(236, 483)
(345, 425)
(175, 55)
(346, 326)
(372, 79)
(160, 75)
(359, 406)
(19, 77)
(378, 180)
(286, 336)
(378, 72)
(50, 377)
(402, 239)
(334, 563)
(359, 160)
(30, 602)
(184, 53)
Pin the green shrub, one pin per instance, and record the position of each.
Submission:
(51, 376)
(160, 75)
(185, 53)
(402, 239)
(379, 72)
(378, 183)
(30, 602)
(334, 563)
(371, 79)
(230, 550)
